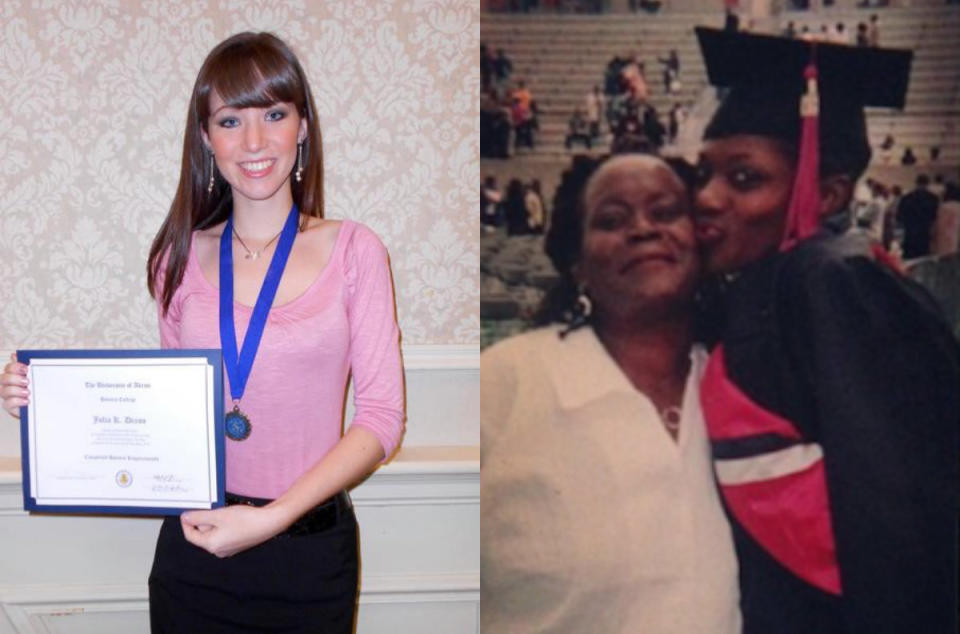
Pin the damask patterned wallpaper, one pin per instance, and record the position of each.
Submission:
(94, 98)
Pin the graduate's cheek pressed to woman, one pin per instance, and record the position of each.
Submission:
(740, 199)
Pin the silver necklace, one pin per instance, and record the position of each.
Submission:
(253, 255)
(671, 417)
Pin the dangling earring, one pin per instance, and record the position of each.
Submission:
(584, 305)
(210, 184)
(579, 313)
(299, 161)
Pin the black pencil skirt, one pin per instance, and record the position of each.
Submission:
(291, 583)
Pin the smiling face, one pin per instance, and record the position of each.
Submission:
(740, 200)
(255, 149)
(639, 253)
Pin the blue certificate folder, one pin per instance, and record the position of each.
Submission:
(111, 450)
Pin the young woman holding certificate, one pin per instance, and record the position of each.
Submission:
(246, 262)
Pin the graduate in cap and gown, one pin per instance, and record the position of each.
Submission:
(832, 395)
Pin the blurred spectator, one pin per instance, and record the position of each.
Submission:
(731, 17)
(805, 33)
(624, 114)
(946, 230)
(490, 203)
(790, 31)
(523, 6)
(678, 115)
(934, 153)
(612, 76)
(863, 39)
(652, 127)
(631, 143)
(886, 149)
(890, 217)
(667, 80)
(871, 213)
(486, 67)
(515, 208)
(916, 213)
(671, 72)
(650, 6)
(523, 115)
(533, 202)
(634, 79)
(873, 31)
(908, 157)
(522, 94)
(578, 130)
(495, 127)
(594, 105)
(937, 187)
(862, 196)
(522, 119)
(840, 34)
(502, 68)
(629, 136)
(730, 21)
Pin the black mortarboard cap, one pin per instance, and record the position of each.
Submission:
(765, 76)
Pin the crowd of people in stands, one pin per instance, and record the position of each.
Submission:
(557, 6)
(568, 6)
(584, 124)
(508, 111)
(509, 115)
(884, 154)
(519, 208)
(922, 222)
(632, 119)
(866, 34)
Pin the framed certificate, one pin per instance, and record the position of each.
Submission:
(123, 431)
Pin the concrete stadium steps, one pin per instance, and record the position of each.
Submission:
(555, 150)
(907, 130)
(561, 57)
(546, 168)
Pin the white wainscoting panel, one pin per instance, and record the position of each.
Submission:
(443, 403)
(420, 540)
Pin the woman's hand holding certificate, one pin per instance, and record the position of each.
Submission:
(14, 386)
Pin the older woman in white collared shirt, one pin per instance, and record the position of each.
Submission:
(599, 508)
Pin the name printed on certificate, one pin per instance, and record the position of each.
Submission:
(114, 433)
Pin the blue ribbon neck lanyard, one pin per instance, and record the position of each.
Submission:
(238, 366)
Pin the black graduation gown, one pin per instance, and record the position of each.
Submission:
(855, 382)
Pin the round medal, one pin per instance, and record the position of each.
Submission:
(237, 425)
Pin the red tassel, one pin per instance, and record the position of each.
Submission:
(803, 213)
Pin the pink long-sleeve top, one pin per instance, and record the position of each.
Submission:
(295, 394)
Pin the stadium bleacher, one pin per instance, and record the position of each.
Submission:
(561, 57)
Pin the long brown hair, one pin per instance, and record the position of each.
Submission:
(245, 70)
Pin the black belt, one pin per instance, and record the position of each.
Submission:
(317, 519)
